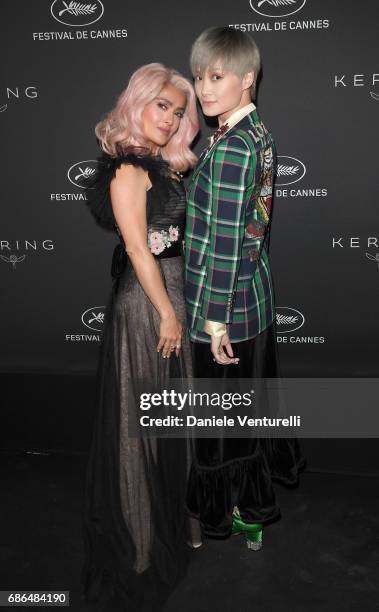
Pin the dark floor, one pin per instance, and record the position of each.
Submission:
(323, 554)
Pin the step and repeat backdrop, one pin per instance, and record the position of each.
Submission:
(64, 64)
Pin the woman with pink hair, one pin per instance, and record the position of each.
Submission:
(135, 527)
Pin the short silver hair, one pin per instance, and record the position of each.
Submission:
(236, 50)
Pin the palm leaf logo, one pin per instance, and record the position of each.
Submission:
(85, 174)
(94, 318)
(283, 170)
(374, 95)
(82, 173)
(76, 8)
(276, 3)
(285, 319)
(373, 258)
(97, 317)
(3, 108)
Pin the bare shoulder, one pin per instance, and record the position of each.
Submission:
(131, 177)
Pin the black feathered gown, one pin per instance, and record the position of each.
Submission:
(135, 527)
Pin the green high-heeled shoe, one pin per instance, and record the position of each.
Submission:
(252, 531)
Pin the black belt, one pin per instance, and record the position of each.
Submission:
(175, 250)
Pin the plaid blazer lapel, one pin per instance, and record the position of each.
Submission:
(200, 163)
(204, 155)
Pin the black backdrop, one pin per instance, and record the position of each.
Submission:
(319, 95)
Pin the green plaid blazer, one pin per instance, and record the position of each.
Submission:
(229, 200)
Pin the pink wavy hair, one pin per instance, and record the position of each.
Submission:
(121, 130)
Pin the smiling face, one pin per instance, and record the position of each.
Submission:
(161, 117)
(222, 92)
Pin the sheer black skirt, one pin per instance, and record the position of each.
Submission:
(135, 526)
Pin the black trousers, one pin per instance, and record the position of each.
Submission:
(228, 472)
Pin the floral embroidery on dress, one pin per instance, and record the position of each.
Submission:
(159, 241)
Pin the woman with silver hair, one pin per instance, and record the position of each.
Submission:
(229, 290)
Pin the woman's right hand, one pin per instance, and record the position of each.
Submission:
(170, 335)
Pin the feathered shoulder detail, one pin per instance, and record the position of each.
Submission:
(98, 189)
